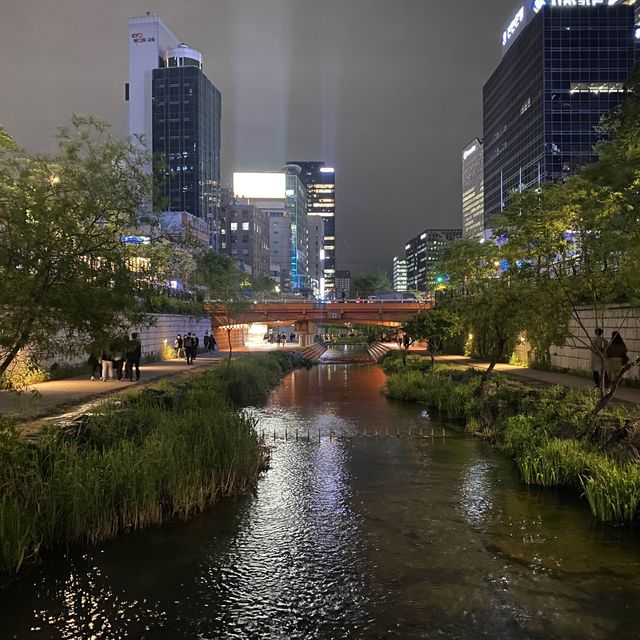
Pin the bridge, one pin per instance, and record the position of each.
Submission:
(307, 316)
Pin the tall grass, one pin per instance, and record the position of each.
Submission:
(542, 429)
(165, 454)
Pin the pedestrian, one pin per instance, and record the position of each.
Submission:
(213, 343)
(599, 346)
(205, 341)
(119, 349)
(107, 365)
(94, 361)
(616, 358)
(134, 355)
(196, 343)
(187, 343)
(407, 341)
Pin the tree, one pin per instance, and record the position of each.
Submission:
(488, 301)
(368, 283)
(224, 283)
(576, 244)
(65, 274)
(434, 327)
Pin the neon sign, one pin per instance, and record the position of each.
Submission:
(513, 27)
(538, 4)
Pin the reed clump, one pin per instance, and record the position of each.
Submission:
(165, 454)
(544, 429)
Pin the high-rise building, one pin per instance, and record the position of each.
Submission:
(281, 195)
(399, 274)
(423, 254)
(246, 237)
(315, 242)
(177, 110)
(320, 183)
(564, 66)
(473, 190)
(343, 283)
(280, 248)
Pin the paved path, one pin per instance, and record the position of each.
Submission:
(629, 395)
(55, 397)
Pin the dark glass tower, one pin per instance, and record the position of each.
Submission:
(320, 183)
(563, 68)
(186, 114)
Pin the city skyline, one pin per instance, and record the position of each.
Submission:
(333, 94)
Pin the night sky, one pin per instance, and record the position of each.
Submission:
(388, 91)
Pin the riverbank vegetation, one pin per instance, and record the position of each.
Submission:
(165, 454)
(544, 429)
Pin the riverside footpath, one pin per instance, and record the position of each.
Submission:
(59, 399)
(627, 395)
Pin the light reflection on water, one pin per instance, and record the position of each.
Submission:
(353, 536)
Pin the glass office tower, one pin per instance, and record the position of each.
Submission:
(320, 183)
(186, 112)
(564, 66)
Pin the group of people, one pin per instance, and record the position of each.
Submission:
(118, 360)
(608, 357)
(279, 338)
(187, 346)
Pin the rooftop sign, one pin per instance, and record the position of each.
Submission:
(527, 12)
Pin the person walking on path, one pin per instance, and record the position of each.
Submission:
(196, 343)
(617, 357)
(107, 365)
(134, 355)
(96, 367)
(188, 347)
(214, 343)
(205, 340)
(598, 356)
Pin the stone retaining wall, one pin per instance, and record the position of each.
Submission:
(619, 318)
(167, 327)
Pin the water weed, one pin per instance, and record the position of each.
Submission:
(165, 454)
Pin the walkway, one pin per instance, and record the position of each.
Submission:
(55, 397)
(630, 395)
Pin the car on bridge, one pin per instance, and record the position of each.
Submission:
(393, 296)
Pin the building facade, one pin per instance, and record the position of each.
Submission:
(564, 66)
(280, 248)
(315, 244)
(423, 254)
(399, 274)
(473, 190)
(281, 195)
(343, 284)
(320, 182)
(246, 237)
(176, 110)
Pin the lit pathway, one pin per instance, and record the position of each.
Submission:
(629, 395)
(55, 397)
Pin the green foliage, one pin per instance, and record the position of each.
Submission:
(249, 379)
(65, 273)
(164, 454)
(367, 284)
(165, 304)
(434, 327)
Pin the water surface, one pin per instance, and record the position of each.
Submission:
(352, 533)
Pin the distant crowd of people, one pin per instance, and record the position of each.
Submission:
(279, 338)
(187, 346)
(117, 361)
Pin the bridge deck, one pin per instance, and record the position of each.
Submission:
(381, 313)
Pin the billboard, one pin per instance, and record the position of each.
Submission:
(260, 186)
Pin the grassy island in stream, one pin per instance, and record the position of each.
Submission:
(164, 454)
(544, 429)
